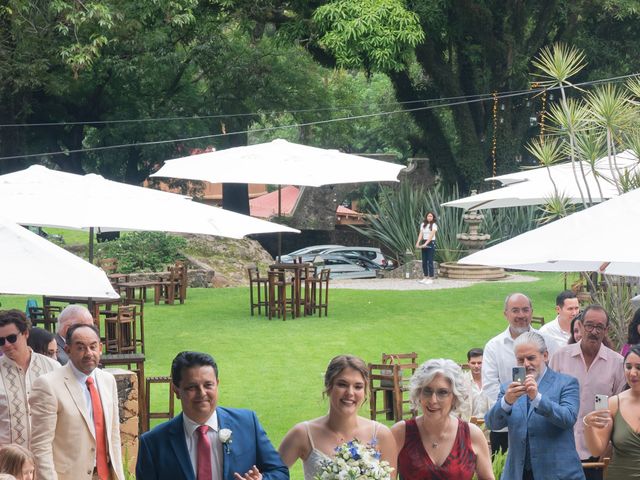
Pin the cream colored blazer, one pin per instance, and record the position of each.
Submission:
(62, 440)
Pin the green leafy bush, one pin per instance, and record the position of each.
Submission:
(143, 251)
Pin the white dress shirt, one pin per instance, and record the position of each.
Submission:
(498, 360)
(191, 436)
(555, 337)
(82, 379)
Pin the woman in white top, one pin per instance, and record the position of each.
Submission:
(427, 242)
(346, 382)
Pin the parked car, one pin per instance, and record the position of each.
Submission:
(342, 267)
(372, 253)
(312, 250)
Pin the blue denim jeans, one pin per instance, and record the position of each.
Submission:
(427, 260)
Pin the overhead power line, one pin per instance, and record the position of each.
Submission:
(450, 102)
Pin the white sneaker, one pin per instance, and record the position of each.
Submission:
(422, 281)
(428, 281)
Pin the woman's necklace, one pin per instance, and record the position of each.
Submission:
(340, 437)
(435, 443)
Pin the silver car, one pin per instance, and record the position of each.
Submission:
(306, 251)
(372, 253)
(342, 267)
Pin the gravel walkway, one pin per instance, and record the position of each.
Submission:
(402, 284)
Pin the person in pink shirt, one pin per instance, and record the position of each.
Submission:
(597, 368)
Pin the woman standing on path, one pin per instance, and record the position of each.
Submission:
(427, 243)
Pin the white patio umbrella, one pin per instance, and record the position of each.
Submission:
(601, 238)
(32, 265)
(280, 163)
(43, 197)
(534, 186)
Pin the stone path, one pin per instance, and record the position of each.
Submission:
(402, 284)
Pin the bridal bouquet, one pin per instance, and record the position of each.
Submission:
(355, 461)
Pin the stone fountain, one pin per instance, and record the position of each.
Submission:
(473, 241)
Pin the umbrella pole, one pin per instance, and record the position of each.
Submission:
(90, 244)
(279, 221)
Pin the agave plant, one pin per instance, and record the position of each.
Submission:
(505, 223)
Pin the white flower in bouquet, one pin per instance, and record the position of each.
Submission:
(355, 461)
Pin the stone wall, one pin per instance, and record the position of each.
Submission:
(197, 277)
(129, 414)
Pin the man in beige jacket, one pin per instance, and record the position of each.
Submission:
(68, 407)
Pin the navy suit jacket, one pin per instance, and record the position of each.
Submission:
(163, 454)
(549, 429)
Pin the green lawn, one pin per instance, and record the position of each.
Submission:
(276, 367)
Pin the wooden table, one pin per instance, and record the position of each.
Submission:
(129, 360)
(93, 304)
(130, 289)
(296, 269)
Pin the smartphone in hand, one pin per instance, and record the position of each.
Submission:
(602, 402)
(518, 374)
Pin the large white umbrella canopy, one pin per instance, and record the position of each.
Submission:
(535, 187)
(280, 163)
(43, 197)
(32, 265)
(600, 238)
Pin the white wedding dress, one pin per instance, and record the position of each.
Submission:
(313, 463)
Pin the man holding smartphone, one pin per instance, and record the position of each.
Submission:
(540, 413)
(598, 370)
(499, 359)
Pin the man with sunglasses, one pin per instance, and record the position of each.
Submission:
(597, 368)
(19, 367)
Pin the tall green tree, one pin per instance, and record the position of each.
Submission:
(460, 49)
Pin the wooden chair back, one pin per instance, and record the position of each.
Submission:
(168, 414)
(317, 292)
(537, 322)
(260, 286)
(109, 265)
(46, 316)
(120, 331)
(602, 464)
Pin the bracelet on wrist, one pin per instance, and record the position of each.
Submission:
(584, 422)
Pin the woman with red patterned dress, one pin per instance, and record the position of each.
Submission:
(438, 445)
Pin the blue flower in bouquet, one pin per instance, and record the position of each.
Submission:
(355, 461)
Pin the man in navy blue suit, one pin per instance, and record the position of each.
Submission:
(206, 442)
(540, 413)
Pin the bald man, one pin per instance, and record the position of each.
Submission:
(71, 315)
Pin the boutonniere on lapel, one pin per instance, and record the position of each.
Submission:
(224, 435)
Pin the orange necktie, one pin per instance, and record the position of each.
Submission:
(102, 463)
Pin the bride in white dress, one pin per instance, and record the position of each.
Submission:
(346, 382)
